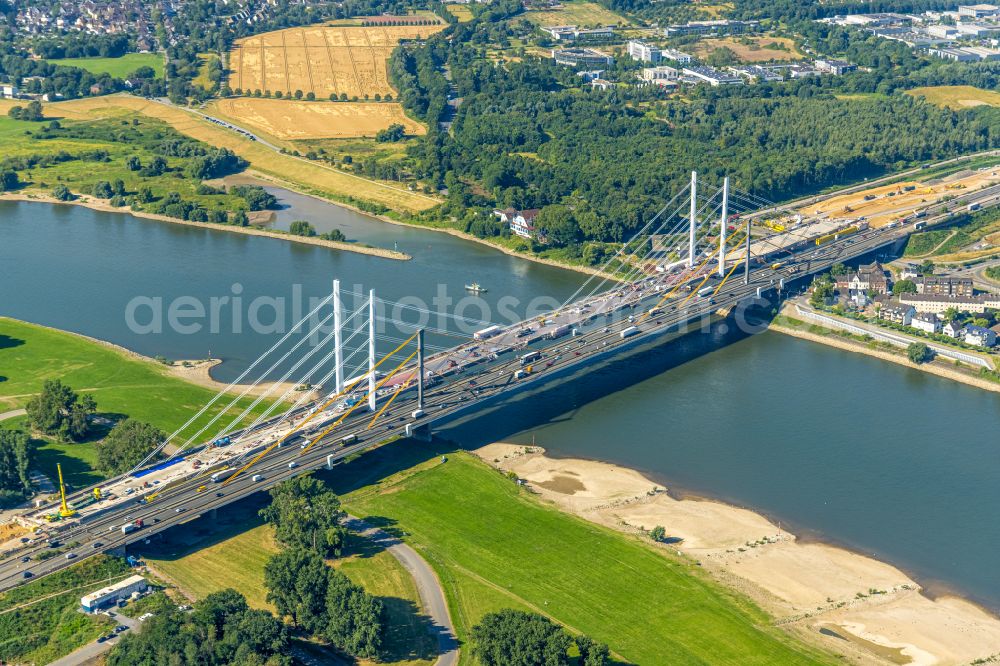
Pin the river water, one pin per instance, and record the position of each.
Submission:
(884, 459)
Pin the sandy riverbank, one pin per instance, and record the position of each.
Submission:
(939, 368)
(807, 587)
(95, 204)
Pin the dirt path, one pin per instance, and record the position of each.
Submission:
(432, 597)
(11, 414)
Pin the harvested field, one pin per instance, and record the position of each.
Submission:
(582, 14)
(323, 60)
(751, 49)
(957, 97)
(293, 120)
(308, 175)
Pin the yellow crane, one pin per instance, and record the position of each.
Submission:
(64, 510)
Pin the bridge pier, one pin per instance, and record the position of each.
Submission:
(419, 431)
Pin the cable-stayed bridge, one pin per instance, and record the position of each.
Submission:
(706, 252)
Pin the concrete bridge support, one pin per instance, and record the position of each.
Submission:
(420, 431)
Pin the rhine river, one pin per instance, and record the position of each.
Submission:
(880, 458)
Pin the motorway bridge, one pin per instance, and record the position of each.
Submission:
(715, 263)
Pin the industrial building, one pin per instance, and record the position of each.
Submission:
(711, 76)
(579, 57)
(717, 27)
(109, 596)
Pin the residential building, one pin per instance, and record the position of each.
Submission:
(980, 336)
(953, 286)
(940, 302)
(899, 314)
(9, 90)
(644, 52)
(663, 75)
(927, 322)
(580, 57)
(601, 84)
(717, 27)
(837, 67)
(108, 596)
(521, 222)
(711, 76)
(867, 278)
(953, 329)
(910, 272)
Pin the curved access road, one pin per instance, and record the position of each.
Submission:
(428, 587)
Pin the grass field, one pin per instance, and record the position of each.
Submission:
(494, 545)
(957, 97)
(751, 49)
(117, 67)
(202, 78)
(294, 120)
(581, 13)
(120, 384)
(714, 11)
(461, 12)
(320, 59)
(232, 557)
(235, 554)
(52, 626)
(310, 176)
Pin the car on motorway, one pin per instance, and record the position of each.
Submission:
(70, 556)
(218, 494)
(179, 509)
(25, 559)
(292, 465)
(97, 544)
(200, 489)
(27, 574)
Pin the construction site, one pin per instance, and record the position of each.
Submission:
(881, 206)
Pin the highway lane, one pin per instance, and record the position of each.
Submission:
(464, 389)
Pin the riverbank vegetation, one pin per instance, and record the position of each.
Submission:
(126, 162)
